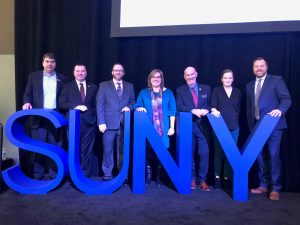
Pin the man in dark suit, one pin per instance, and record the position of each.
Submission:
(113, 98)
(268, 94)
(81, 95)
(42, 91)
(194, 97)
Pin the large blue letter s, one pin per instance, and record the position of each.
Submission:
(14, 177)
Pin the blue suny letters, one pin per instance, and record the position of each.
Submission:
(179, 171)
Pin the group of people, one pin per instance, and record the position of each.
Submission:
(103, 106)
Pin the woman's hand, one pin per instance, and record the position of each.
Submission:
(141, 109)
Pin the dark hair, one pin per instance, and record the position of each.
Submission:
(118, 64)
(49, 55)
(79, 64)
(259, 58)
(227, 71)
(151, 74)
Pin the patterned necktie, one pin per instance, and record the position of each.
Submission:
(82, 93)
(257, 94)
(119, 90)
(195, 96)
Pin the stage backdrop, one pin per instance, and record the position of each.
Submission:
(79, 31)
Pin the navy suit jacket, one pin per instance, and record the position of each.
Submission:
(109, 105)
(185, 103)
(274, 95)
(70, 98)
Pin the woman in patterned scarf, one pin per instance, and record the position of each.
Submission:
(160, 105)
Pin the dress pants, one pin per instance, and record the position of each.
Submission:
(87, 140)
(269, 162)
(110, 139)
(199, 139)
(220, 159)
(45, 132)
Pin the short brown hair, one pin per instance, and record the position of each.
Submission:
(151, 74)
(49, 55)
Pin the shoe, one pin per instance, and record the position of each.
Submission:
(38, 176)
(217, 185)
(204, 186)
(107, 178)
(259, 190)
(52, 174)
(274, 196)
(227, 183)
(148, 175)
(125, 183)
(158, 176)
(193, 185)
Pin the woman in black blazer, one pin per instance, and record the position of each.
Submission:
(225, 101)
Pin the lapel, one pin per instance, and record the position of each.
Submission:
(59, 82)
(88, 91)
(265, 85)
(39, 81)
(76, 91)
(189, 95)
(113, 88)
(252, 90)
(124, 90)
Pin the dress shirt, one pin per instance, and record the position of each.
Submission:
(84, 85)
(49, 89)
(116, 84)
(195, 88)
(261, 82)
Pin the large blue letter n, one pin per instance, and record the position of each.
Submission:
(180, 172)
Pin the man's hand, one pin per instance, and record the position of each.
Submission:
(141, 109)
(82, 108)
(199, 112)
(102, 128)
(27, 106)
(125, 109)
(275, 112)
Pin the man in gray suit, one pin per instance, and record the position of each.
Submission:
(113, 98)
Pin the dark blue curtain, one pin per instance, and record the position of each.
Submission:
(79, 31)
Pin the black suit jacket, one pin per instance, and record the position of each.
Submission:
(34, 90)
(70, 98)
(274, 95)
(34, 93)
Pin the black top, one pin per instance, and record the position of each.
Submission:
(228, 106)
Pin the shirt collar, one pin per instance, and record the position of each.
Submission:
(117, 81)
(49, 74)
(195, 87)
(80, 82)
(261, 78)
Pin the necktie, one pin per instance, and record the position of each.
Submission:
(257, 94)
(195, 96)
(119, 90)
(82, 93)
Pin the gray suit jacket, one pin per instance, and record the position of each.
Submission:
(109, 105)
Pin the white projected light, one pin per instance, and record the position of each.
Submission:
(177, 17)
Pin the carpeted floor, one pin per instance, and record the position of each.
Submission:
(163, 205)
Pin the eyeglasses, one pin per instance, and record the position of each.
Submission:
(156, 77)
(118, 70)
